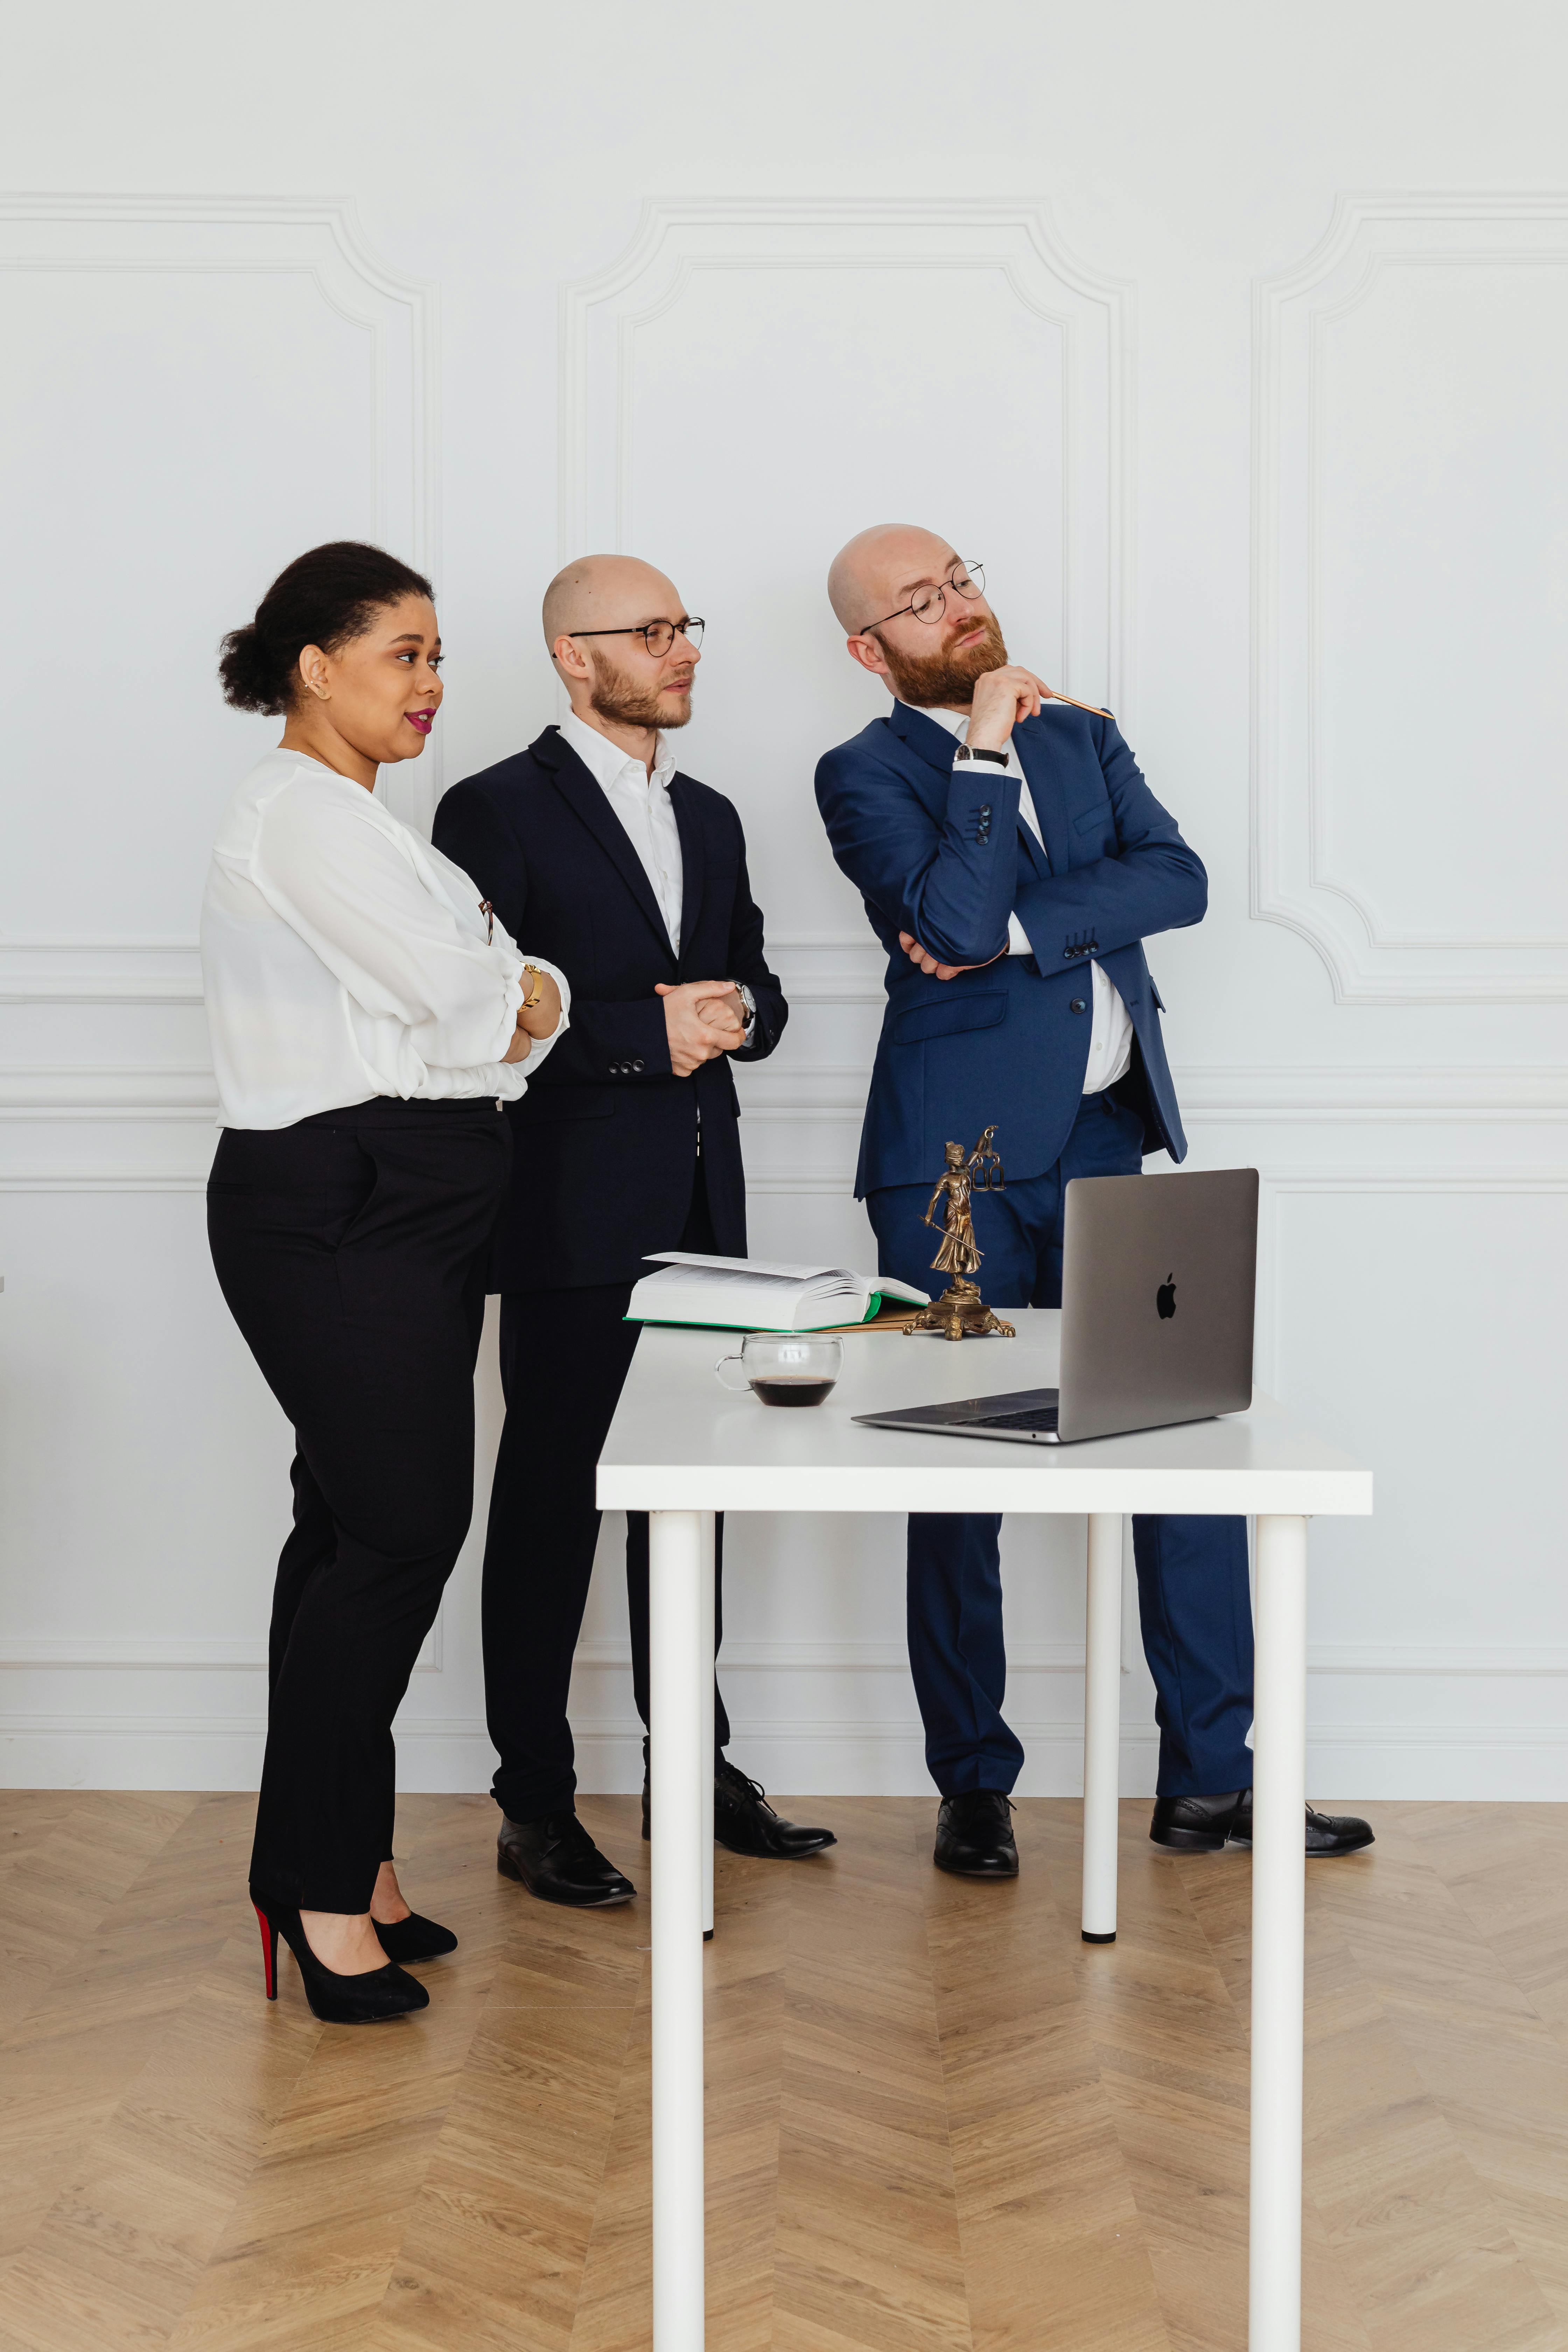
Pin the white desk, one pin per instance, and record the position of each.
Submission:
(683, 1447)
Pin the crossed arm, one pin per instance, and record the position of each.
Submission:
(947, 887)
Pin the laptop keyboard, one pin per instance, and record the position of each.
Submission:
(1036, 1416)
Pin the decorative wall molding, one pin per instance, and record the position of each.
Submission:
(320, 238)
(1276, 1186)
(1334, 1658)
(107, 1090)
(100, 971)
(679, 237)
(804, 1092)
(803, 1754)
(104, 1179)
(1369, 961)
(151, 1127)
(1401, 1095)
(162, 1652)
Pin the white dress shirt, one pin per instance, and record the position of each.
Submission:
(1111, 1030)
(646, 813)
(642, 804)
(344, 958)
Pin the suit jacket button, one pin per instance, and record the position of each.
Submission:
(635, 1067)
(1078, 1005)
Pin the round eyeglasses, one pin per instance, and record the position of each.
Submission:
(657, 635)
(928, 605)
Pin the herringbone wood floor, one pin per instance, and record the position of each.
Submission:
(936, 2119)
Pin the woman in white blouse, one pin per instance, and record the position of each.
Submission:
(368, 1019)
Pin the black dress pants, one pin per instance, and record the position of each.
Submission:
(351, 1249)
(565, 1356)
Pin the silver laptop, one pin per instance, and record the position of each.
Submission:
(1158, 1277)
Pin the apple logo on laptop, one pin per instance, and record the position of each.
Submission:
(1165, 1298)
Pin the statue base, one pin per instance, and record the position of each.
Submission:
(961, 1314)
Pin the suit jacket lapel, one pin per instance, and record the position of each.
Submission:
(930, 769)
(582, 794)
(934, 748)
(693, 863)
(1038, 758)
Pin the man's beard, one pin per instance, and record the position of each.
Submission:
(626, 702)
(948, 676)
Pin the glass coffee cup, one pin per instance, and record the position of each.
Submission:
(783, 1366)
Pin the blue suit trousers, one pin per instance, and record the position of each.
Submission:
(1193, 1592)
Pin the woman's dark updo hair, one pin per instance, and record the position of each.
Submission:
(326, 598)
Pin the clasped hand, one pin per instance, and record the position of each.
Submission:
(536, 1021)
(702, 1019)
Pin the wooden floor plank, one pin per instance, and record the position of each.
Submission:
(869, 2254)
(937, 2121)
(1054, 2250)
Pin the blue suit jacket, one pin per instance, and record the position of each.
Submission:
(941, 852)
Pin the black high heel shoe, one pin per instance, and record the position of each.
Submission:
(335, 2000)
(414, 1938)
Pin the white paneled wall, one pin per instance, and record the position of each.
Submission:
(1242, 376)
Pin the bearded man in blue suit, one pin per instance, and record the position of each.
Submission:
(1012, 861)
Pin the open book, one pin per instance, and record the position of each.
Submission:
(753, 1294)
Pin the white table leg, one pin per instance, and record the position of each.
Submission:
(707, 1517)
(679, 1698)
(1101, 1727)
(1278, 1925)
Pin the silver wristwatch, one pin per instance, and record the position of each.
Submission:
(749, 1001)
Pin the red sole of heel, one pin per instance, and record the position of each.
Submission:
(269, 1953)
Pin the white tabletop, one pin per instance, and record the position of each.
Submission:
(680, 1441)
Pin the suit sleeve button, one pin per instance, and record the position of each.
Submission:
(635, 1067)
(1077, 1005)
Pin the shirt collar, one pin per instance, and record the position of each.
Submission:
(607, 763)
(955, 721)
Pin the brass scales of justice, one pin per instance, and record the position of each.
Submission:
(961, 1313)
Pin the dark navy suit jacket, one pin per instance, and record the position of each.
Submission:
(606, 1138)
(941, 852)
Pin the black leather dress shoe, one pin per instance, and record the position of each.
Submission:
(1205, 1824)
(745, 1821)
(414, 1938)
(974, 1835)
(558, 1860)
(1327, 1833)
(1194, 1824)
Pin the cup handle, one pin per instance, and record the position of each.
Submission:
(722, 1370)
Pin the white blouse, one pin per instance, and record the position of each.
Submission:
(344, 958)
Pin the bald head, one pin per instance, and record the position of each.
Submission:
(614, 678)
(880, 568)
(606, 592)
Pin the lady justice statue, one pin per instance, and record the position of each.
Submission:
(959, 1313)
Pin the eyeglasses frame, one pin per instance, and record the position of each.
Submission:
(640, 629)
(942, 586)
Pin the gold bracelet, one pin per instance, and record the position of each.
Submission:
(530, 1002)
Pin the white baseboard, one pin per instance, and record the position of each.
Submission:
(1519, 1762)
